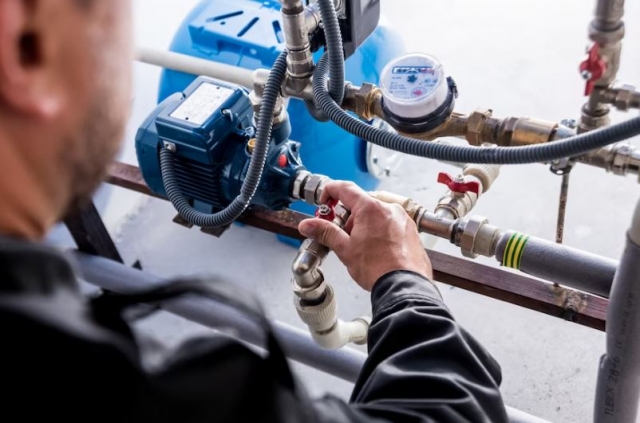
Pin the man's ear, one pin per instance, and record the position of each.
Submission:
(25, 77)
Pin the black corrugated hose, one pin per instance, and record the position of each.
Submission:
(569, 147)
(333, 38)
(256, 167)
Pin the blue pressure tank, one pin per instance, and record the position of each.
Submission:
(248, 34)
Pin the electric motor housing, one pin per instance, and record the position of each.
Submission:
(210, 128)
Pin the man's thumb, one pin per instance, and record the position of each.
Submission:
(326, 233)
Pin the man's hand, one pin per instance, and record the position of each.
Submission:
(378, 238)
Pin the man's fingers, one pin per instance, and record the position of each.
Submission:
(326, 233)
(348, 227)
(346, 192)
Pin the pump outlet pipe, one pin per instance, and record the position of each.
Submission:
(314, 299)
(618, 388)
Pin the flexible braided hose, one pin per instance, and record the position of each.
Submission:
(569, 147)
(333, 37)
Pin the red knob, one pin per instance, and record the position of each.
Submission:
(458, 187)
(327, 212)
(593, 68)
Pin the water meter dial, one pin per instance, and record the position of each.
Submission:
(417, 95)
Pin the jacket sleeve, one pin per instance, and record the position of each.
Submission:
(422, 366)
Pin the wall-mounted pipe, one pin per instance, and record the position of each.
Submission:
(193, 66)
(537, 257)
(558, 263)
(618, 389)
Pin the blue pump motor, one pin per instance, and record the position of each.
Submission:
(210, 128)
(248, 34)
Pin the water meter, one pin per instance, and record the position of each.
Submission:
(417, 94)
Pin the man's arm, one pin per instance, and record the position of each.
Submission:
(422, 366)
(422, 363)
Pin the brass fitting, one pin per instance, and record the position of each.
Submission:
(482, 128)
(476, 125)
(479, 128)
(365, 101)
(251, 145)
(515, 132)
(454, 126)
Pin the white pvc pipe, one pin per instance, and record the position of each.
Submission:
(194, 66)
(344, 333)
(618, 388)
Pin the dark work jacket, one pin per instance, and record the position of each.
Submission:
(62, 360)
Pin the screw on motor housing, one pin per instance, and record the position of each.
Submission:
(210, 128)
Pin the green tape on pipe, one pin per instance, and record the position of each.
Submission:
(514, 250)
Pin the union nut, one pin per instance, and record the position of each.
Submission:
(312, 190)
(367, 101)
(467, 233)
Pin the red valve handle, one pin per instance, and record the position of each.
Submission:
(458, 187)
(327, 212)
(595, 66)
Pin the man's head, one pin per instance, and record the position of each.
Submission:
(65, 71)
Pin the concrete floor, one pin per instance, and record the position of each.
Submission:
(518, 58)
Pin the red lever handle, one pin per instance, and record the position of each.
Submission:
(595, 66)
(458, 187)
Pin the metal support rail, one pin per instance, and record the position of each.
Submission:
(534, 294)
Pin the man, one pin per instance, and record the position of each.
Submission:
(64, 100)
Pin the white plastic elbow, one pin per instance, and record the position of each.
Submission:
(344, 333)
(325, 327)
